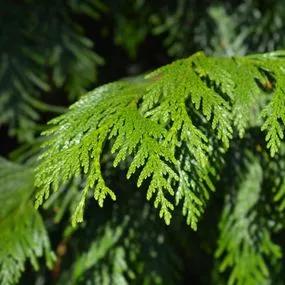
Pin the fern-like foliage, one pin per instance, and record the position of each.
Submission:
(40, 51)
(128, 247)
(67, 50)
(23, 235)
(245, 245)
(274, 175)
(103, 263)
(171, 127)
(242, 28)
(21, 74)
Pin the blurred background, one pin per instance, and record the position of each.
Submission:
(54, 51)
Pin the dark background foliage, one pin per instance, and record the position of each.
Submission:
(54, 51)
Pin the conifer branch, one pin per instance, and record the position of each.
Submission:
(166, 126)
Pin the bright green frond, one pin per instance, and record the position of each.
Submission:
(167, 127)
(274, 112)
